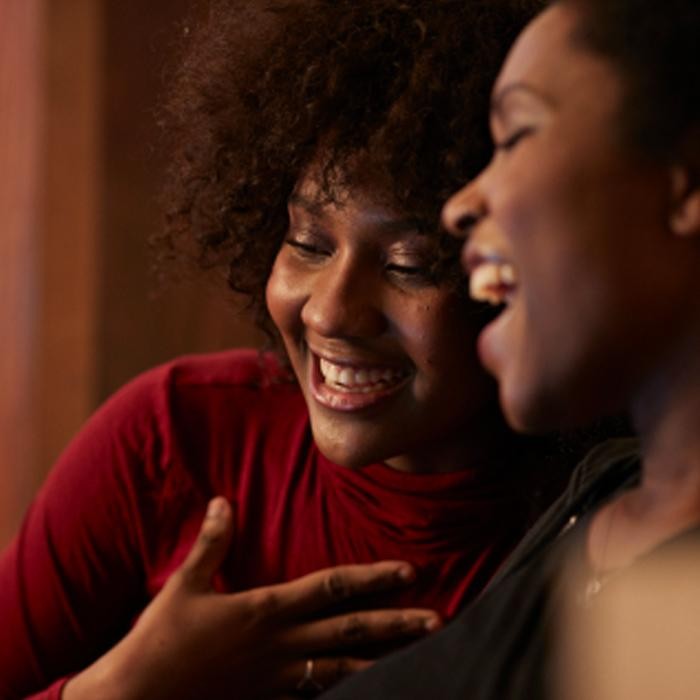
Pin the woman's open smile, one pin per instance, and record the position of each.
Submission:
(347, 384)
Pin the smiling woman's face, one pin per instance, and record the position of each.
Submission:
(568, 229)
(383, 352)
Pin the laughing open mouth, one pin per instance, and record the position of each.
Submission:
(493, 280)
(345, 386)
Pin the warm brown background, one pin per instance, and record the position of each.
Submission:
(79, 173)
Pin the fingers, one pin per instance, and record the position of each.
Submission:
(361, 628)
(210, 547)
(318, 590)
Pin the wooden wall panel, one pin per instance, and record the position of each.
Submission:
(80, 168)
(69, 251)
(20, 146)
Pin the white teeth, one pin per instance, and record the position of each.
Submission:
(346, 376)
(329, 371)
(508, 275)
(361, 380)
(490, 282)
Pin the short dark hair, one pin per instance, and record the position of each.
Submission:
(265, 83)
(656, 46)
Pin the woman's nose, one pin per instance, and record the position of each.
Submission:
(344, 302)
(463, 210)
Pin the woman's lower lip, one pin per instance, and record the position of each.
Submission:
(493, 343)
(348, 401)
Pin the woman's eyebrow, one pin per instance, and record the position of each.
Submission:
(500, 97)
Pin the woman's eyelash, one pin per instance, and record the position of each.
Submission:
(417, 273)
(413, 274)
(407, 269)
(304, 247)
(513, 139)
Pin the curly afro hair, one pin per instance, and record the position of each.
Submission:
(267, 85)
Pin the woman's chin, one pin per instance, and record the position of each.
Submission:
(516, 414)
(527, 407)
(343, 450)
(346, 459)
(533, 409)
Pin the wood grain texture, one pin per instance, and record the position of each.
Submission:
(20, 147)
(80, 169)
(69, 251)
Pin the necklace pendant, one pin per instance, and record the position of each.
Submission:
(593, 587)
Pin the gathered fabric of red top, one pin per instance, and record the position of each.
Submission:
(121, 508)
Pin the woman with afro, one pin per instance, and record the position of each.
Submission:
(257, 525)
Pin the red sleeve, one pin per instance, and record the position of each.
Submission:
(71, 582)
(53, 692)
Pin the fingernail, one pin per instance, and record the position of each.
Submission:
(216, 507)
(405, 573)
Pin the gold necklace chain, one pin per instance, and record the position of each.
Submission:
(598, 579)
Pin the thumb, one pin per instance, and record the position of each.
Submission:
(210, 547)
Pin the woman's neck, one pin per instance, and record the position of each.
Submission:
(483, 444)
(666, 415)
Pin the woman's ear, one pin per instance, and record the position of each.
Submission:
(685, 202)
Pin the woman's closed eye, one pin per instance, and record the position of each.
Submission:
(412, 272)
(308, 248)
(513, 139)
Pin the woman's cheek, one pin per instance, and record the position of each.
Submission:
(284, 297)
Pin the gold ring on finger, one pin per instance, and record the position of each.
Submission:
(308, 685)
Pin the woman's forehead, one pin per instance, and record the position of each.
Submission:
(548, 61)
(544, 40)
